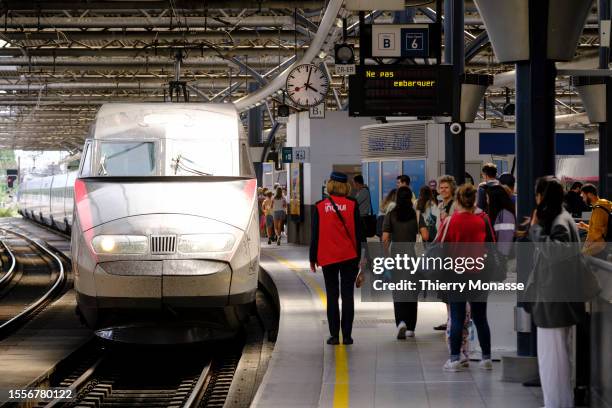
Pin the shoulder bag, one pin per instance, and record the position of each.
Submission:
(359, 280)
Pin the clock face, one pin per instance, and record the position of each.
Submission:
(307, 85)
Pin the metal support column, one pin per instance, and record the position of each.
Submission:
(255, 130)
(605, 129)
(454, 53)
(535, 133)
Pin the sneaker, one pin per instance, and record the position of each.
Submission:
(347, 340)
(333, 340)
(453, 366)
(401, 331)
(278, 241)
(440, 327)
(486, 364)
(269, 241)
(465, 362)
(409, 333)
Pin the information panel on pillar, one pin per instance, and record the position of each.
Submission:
(401, 90)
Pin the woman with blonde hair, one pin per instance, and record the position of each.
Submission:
(335, 245)
(386, 207)
(467, 226)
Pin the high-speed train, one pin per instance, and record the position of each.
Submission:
(48, 200)
(165, 239)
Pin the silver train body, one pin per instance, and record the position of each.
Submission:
(48, 200)
(165, 240)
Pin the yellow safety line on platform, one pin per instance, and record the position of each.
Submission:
(309, 280)
(341, 383)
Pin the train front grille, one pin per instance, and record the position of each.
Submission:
(163, 244)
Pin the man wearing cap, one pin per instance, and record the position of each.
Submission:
(336, 239)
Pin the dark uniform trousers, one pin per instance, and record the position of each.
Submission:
(340, 282)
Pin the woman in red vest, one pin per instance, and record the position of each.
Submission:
(335, 245)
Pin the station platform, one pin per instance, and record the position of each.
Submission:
(377, 370)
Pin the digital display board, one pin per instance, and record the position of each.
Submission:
(401, 90)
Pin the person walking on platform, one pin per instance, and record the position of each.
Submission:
(501, 212)
(387, 205)
(364, 201)
(401, 227)
(335, 245)
(446, 188)
(466, 226)
(427, 208)
(551, 224)
(489, 174)
(279, 208)
(266, 207)
(574, 203)
(595, 243)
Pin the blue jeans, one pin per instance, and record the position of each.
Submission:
(479, 317)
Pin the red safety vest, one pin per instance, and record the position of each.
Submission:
(334, 244)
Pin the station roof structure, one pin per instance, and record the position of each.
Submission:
(60, 60)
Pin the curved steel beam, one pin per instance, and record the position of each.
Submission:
(277, 83)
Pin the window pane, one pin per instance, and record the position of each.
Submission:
(211, 157)
(373, 184)
(86, 170)
(126, 159)
(415, 169)
(390, 171)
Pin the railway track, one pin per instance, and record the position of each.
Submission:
(102, 374)
(193, 376)
(37, 277)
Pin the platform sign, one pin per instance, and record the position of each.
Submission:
(401, 90)
(299, 154)
(415, 42)
(400, 40)
(287, 154)
(317, 111)
(345, 69)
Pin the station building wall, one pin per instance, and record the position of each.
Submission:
(333, 140)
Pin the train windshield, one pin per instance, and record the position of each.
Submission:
(209, 157)
(120, 159)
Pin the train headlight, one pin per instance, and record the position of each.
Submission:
(197, 243)
(120, 244)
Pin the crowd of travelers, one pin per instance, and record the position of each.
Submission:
(443, 211)
(272, 213)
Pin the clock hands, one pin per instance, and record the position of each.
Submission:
(308, 86)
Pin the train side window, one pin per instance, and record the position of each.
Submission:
(86, 161)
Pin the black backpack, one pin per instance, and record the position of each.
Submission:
(608, 236)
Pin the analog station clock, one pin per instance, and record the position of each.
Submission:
(307, 85)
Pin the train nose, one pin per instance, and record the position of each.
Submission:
(176, 283)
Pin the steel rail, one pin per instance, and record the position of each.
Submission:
(45, 298)
(6, 278)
